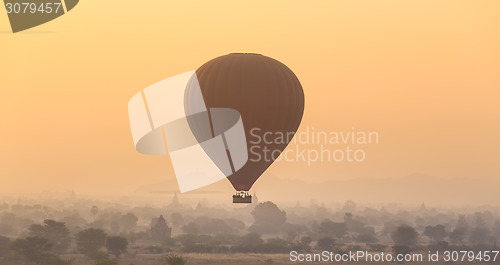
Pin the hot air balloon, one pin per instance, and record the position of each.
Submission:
(94, 210)
(269, 98)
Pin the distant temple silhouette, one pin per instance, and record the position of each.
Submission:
(175, 203)
(160, 230)
(199, 206)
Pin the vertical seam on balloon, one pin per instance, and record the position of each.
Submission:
(210, 121)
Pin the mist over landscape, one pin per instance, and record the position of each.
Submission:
(157, 225)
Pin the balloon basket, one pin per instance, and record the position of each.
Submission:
(242, 197)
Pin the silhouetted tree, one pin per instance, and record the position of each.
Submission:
(326, 243)
(276, 245)
(74, 222)
(337, 230)
(4, 245)
(268, 213)
(496, 230)
(33, 249)
(177, 219)
(294, 231)
(250, 243)
(191, 228)
(235, 224)
(461, 229)
(116, 245)
(37, 251)
(90, 242)
(55, 232)
(268, 218)
(366, 238)
(128, 221)
(401, 249)
(405, 235)
(306, 240)
(457, 236)
(439, 246)
(480, 234)
(115, 227)
(435, 233)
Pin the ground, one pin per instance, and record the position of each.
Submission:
(225, 259)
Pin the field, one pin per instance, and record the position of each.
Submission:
(236, 259)
(195, 259)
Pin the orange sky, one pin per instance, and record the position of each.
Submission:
(424, 74)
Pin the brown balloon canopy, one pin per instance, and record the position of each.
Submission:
(269, 98)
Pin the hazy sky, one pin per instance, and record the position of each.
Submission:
(423, 74)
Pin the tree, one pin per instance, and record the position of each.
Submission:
(74, 222)
(461, 229)
(401, 249)
(294, 231)
(34, 249)
(457, 236)
(37, 251)
(462, 223)
(481, 233)
(55, 232)
(251, 239)
(4, 245)
(269, 219)
(306, 240)
(435, 233)
(250, 243)
(268, 213)
(276, 245)
(439, 246)
(496, 230)
(326, 243)
(405, 235)
(177, 219)
(191, 228)
(90, 241)
(337, 230)
(366, 238)
(235, 224)
(116, 245)
(128, 221)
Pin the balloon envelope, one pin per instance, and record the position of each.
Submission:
(269, 98)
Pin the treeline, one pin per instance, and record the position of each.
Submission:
(45, 242)
(105, 236)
